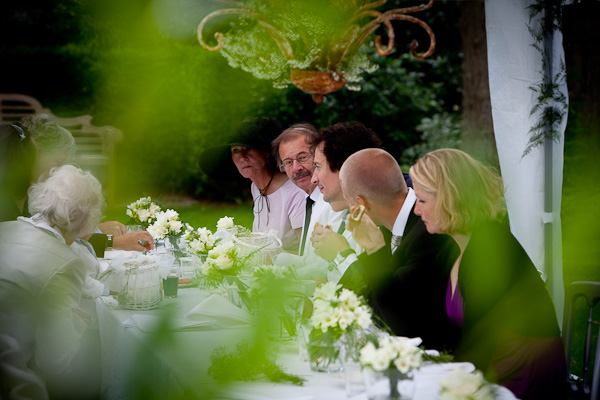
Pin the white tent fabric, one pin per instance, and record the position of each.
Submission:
(514, 65)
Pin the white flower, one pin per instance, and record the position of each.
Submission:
(175, 226)
(143, 214)
(349, 297)
(460, 385)
(327, 291)
(225, 223)
(223, 262)
(392, 351)
(367, 354)
(363, 317)
(158, 230)
(380, 361)
(346, 318)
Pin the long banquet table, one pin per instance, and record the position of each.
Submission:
(173, 364)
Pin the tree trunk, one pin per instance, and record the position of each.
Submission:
(477, 128)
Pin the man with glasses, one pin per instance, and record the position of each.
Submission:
(292, 151)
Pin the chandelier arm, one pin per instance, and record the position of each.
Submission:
(391, 37)
(414, 44)
(405, 10)
(366, 30)
(278, 37)
(408, 10)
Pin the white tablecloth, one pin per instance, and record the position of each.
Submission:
(174, 364)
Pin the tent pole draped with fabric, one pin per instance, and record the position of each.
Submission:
(533, 182)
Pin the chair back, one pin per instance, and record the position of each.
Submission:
(590, 291)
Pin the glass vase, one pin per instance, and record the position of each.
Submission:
(173, 247)
(390, 384)
(325, 352)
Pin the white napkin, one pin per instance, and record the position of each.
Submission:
(427, 378)
(152, 323)
(219, 309)
(262, 391)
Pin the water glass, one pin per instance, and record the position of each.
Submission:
(353, 377)
(170, 286)
(187, 267)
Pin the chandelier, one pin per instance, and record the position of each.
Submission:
(315, 50)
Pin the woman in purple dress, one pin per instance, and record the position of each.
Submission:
(495, 294)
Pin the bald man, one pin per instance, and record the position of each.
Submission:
(407, 277)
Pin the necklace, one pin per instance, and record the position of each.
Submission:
(264, 190)
(261, 199)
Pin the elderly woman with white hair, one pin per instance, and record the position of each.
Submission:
(41, 278)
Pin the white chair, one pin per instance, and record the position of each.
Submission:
(95, 145)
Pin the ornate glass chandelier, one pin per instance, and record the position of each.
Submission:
(313, 45)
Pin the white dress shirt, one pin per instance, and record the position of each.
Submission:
(402, 218)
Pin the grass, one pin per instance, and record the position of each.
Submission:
(196, 214)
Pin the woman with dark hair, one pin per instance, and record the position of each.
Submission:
(278, 203)
(494, 294)
(17, 160)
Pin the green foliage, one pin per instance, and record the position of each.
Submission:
(440, 131)
(551, 104)
(137, 65)
(247, 363)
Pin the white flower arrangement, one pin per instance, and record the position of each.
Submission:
(392, 352)
(226, 229)
(339, 319)
(167, 224)
(222, 260)
(338, 313)
(143, 211)
(460, 385)
(199, 241)
(225, 223)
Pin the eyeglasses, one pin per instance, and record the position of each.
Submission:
(19, 131)
(302, 158)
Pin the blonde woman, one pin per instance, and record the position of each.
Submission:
(494, 294)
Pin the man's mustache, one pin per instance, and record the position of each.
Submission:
(301, 174)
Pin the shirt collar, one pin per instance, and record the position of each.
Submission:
(404, 213)
(38, 221)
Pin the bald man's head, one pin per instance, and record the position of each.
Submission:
(374, 175)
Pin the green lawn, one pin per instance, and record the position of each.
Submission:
(197, 215)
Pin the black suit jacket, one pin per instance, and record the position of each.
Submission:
(408, 289)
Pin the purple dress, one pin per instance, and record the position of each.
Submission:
(455, 307)
(509, 329)
(521, 362)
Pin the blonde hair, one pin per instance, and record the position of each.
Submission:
(466, 191)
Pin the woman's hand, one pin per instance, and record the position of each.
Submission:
(114, 228)
(365, 232)
(135, 241)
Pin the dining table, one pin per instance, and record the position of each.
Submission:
(167, 352)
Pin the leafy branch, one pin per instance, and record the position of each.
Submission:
(551, 103)
(247, 363)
